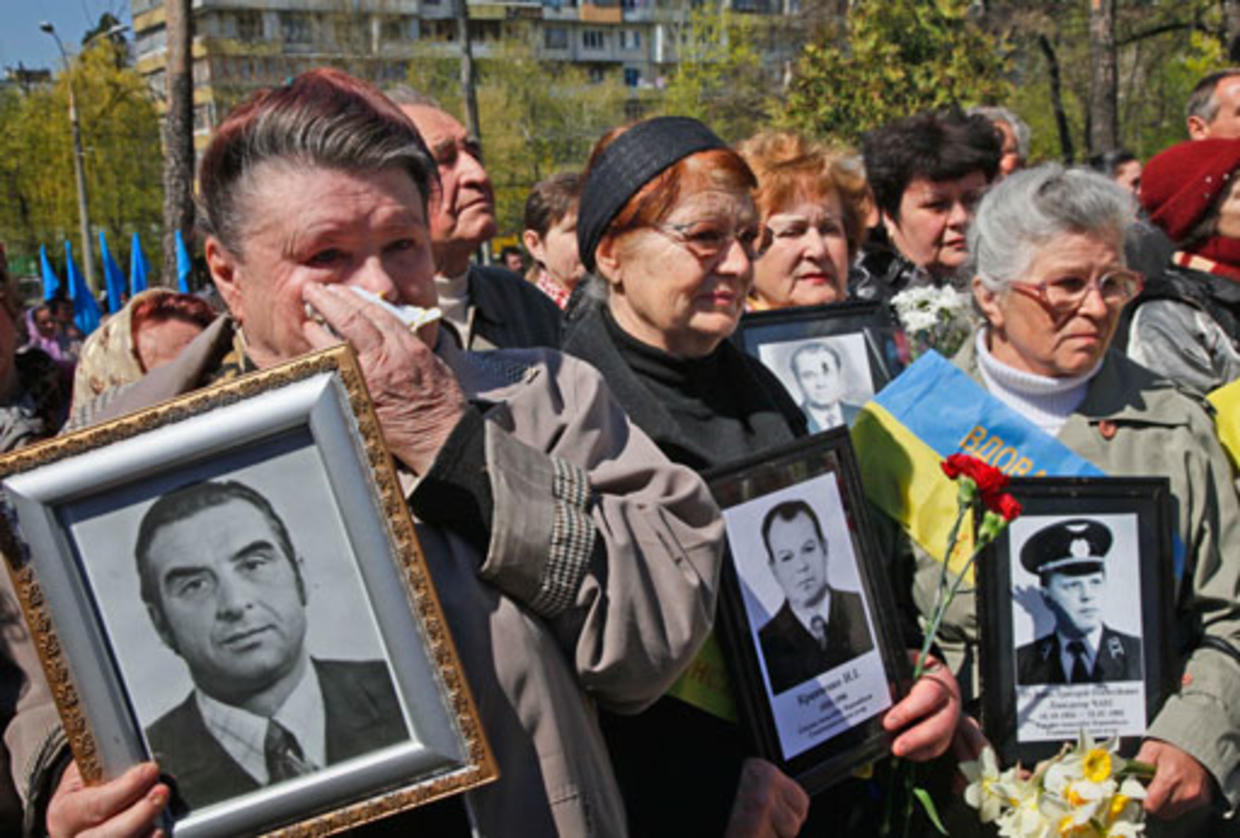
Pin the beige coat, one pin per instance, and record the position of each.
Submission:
(1160, 431)
(638, 602)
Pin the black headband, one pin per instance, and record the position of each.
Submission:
(631, 161)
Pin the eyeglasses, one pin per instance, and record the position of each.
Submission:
(1065, 295)
(707, 240)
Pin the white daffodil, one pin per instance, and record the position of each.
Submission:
(985, 790)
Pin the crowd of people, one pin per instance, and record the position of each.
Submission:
(556, 425)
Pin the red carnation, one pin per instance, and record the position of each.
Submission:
(988, 479)
(1007, 506)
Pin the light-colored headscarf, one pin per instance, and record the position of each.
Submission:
(109, 356)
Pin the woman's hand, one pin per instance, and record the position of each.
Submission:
(122, 808)
(769, 803)
(416, 397)
(927, 716)
(1180, 782)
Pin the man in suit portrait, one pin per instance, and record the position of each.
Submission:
(224, 588)
(1069, 559)
(818, 369)
(818, 627)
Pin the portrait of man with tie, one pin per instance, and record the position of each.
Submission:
(818, 627)
(224, 588)
(1070, 560)
(818, 368)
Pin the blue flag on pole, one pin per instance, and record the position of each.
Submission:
(138, 267)
(85, 309)
(112, 275)
(51, 282)
(183, 264)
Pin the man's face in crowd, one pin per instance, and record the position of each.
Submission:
(798, 560)
(233, 606)
(819, 377)
(463, 209)
(45, 322)
(1076, 601)
(1226, 123)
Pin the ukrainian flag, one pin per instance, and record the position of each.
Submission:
(1226, 401)
(930, 411)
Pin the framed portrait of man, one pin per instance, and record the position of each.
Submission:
(1075, 609)
(830, 358)
(230, 584)
(805, 611)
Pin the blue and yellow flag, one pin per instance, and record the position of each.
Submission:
(930, 411)
(1226, 401)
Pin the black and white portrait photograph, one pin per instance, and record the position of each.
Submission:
(811, 625)
(254, 657)
(1077, 624)
(828, 377)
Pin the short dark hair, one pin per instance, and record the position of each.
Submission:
(816, 346)
(191, 499)
(1202, 102)
(509, 248)
(1108, 162)
(550, 200)
(787, 511)
(937, 145)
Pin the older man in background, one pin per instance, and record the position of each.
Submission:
(488, 307)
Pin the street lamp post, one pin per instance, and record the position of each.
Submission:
(79, 164)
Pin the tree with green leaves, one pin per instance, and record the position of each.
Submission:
(537, 117)
(896, 57)
(120, 139)
(720, 78)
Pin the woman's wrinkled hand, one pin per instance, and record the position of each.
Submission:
(416, 397)
(927, 717)
(122, 808)
(769, 803)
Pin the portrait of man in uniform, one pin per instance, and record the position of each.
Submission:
(819, 373)
(818, 627)
(1070, 560)
(225, 590)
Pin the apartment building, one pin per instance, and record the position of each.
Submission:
(241, 45)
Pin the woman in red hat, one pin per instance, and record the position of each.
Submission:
(1186, 323)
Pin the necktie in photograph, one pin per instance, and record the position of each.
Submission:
(819, 625)
(285, 759)
(1080, 675)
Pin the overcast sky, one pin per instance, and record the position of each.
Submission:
(21, 40)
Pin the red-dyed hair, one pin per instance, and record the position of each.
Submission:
(323, 117)
(160, 307)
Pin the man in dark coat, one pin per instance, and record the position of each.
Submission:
(818, 627)
(1069, 558)
(224, 588)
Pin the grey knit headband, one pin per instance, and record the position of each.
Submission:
(631, 161)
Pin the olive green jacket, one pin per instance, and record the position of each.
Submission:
(1133, 423)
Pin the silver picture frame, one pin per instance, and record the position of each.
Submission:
(304, 434)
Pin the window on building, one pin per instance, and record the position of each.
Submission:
(632, 77)
(395, 29)
(555, 37)
(630, 39)
(249, 25)
(295, 27)
(593, 38)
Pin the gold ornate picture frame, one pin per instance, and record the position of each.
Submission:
(246, 547)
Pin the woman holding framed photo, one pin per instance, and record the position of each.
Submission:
(668, 228)
(1051, 281)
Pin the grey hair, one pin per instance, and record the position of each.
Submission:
(998, 113)
(1203, 102)
(1034, 206)
(404, 95)
(322, 118)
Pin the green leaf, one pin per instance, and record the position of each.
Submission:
(923, 797)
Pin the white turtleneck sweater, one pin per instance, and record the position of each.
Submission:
(1043, 400)
(454, 302)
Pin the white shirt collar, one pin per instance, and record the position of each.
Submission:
(1092, 642)
(242, 733)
